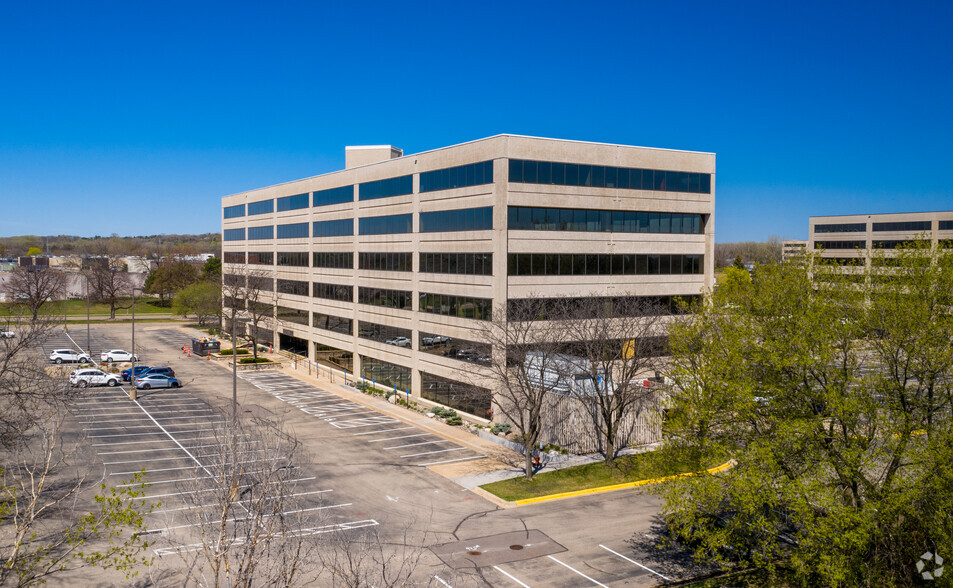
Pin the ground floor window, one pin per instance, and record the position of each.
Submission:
(384, 373)
(457, 395)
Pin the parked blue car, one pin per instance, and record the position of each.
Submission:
(139, 370)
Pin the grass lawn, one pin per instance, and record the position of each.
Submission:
(77, 308)
(629, 468)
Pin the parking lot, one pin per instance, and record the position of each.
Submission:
(392, 438)
(367, 470)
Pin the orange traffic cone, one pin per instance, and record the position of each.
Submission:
(189, 352)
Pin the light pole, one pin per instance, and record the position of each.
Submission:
(132, 370)
(89, 348)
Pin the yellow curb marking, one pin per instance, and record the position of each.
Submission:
(713, 470)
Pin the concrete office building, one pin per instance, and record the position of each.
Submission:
(792, 248)
(390, 263)
(850, 239)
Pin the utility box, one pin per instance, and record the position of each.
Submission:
(204, 346)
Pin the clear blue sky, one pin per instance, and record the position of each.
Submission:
(136, 118)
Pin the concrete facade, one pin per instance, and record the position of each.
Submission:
(851, 238)
(792, 248)
(500, 193)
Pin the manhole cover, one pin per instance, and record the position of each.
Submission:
(516, 547)
(475, 552)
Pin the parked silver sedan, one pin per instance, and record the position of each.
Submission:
(150, 381)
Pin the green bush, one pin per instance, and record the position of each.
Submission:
(237, 352)
(454, 419)
(501, 428)
(253, 360)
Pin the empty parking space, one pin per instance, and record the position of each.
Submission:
(392, 437)
(596, 565)
(175, 438)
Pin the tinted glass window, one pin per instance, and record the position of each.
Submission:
(904, 226)
(459, 306)
(600, 176)
(853, 244)
(292, 202)
(334, 228)
(295, 287)
(267, 232)
(400, 299)
(293, 258)
(261, 257)
(333, 292)
(292, 315)
(466, 219)
(386, 188)
(233, 235)
(234, 257)
(333, 196)
(946, 225)
(344, 260)
(457, 395)
(261, 207)
(622, 305)
(386, 225)
(333, 323)
(841, 228)
(294, 231)
(389, 262)
(395, 336)
(562, 219)
(234, 211)
(462, 176)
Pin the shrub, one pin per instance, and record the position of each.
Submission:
(253, 360)
(501, 428)
(237, 352)
(454, 419)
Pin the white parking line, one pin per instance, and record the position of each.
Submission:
(216, 489)
(399, 437)
(500, 570)
(597, 583)
(239, 519)
(297, 532)
(164, 510)
(450, 460)
(415, 444)
(146, 433)
(384, 431)
(431, 452)
(635, 562)
(439, 579)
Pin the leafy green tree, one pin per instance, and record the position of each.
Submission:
(202, 299)
(169, 278)
(212, 270)
(830, 389)
(34, 251)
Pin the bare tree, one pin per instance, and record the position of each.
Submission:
(259, 295)
(45, 478)
(244, 522)
(526, 366)
(357, 559)
(109, 282)
(34, 286)
(615, 345)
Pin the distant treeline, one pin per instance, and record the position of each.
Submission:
(151, 246)
(762, 252)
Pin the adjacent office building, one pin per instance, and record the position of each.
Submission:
(792, 248)
(388, 265)
(850, 239)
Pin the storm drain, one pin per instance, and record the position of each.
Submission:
(494, 550)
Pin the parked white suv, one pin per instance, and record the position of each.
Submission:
(92, 377)
(117, 355)
(69, 356)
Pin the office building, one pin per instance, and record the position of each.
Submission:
(851, 239)
(792, 248)
(388, 265)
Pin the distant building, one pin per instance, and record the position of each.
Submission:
(792, 248)
(850, 239)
